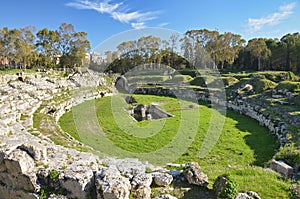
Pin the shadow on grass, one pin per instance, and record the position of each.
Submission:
(259, 140)
(195, 191)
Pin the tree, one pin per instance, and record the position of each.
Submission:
(258, 50)
(292, 45)
(47, 44)
(230, 45)
(73, 46)
(25, 46)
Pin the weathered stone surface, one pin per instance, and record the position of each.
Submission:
(121, 83)
(18, 162)
(166, 196)
(78, 184)
(242, 196)
(253, 194)
(111, 185)
(194, 175)
(140, 186)
(282, 168)
(53, 196)
(37, 153)
(247, 195)
(162, 179)
(7, 193)
(141, 193)
(128, 167)
(141, 180)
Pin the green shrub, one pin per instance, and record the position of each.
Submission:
(288, 85)
(44, 193)
(54, 174)
(226, 190)
(289, 153)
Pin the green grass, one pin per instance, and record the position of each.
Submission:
(147, 79)
(47, 125)
(179, 79)
(13, 71)
(262, 85)
(289, 85)
(243, 144)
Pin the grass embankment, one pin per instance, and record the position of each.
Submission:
(243, 144)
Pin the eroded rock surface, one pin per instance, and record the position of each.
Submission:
(194, 174)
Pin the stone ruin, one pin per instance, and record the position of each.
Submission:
(30, 163)
(121, 84)
(143, 112)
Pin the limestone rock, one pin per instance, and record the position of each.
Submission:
(141, 180)
(242, 196)
(6, 192)
(111, 185)
(128, 167)
(166, 196)
(141, 186)
(253, 194)
(141, 193)
(194, 175)
(18, 162)
(162, 179)
(77, 183)
(37, 153)
(280, 167)
(53, 196)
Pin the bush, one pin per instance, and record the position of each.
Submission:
(54, 174)
(289, 153)
(225, 187)
(288, 85)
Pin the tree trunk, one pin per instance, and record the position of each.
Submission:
(258, 64)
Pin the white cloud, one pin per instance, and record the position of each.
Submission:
(272, 19)
(163, 24)
(127, 17)
(138, 25)
(136, 19)
(102, 7)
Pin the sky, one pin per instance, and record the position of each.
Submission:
(103, 19)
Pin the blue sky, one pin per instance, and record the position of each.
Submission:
(102, 19)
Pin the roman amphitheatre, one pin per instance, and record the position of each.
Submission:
(44, 154)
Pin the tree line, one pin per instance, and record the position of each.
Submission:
(23, 48)
(202, 48)
(208, 49)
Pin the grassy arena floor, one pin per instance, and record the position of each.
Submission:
(243, 144)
